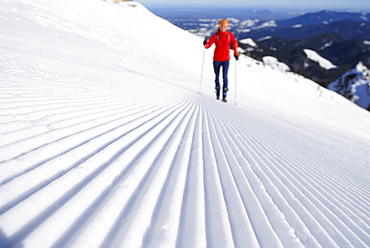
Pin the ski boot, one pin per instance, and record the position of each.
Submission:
(224, 90)
(217, 92)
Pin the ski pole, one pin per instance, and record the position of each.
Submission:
(201, 74)
(235, 78)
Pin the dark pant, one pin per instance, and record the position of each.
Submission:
(225, 68)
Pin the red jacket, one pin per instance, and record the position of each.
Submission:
(222, 41)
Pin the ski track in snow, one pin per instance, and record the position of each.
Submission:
(130, 172)
(105, 143)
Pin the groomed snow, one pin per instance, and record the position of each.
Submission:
(106, 141)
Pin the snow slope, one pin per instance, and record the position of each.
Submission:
(106, 141)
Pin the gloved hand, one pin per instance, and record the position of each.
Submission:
(205, 41)
(236, 57)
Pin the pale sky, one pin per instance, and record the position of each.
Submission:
(332, 4)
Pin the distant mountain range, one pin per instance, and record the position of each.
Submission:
(340, 52)
(346, 29)
(324, 17)
(340, 39)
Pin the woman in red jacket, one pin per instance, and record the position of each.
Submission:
(221, 57)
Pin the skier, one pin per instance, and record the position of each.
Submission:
(221, 57)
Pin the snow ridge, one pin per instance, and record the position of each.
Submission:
(314, 56)
(354, 85)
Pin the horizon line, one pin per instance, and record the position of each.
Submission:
(201, 6)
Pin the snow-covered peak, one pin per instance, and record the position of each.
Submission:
(248, 23)
(314, 56)
(360, 71)
(266, 24)
(360, 67)
(297, 26)
(354, 85)
(248, 41)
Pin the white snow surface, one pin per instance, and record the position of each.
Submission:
(275, 63)
(248, 41)
(108, 138)
(314, 56)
